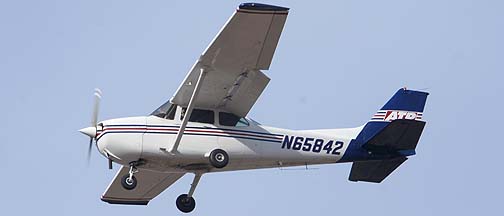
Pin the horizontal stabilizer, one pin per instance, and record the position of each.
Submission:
(399, 135)
(374, 171)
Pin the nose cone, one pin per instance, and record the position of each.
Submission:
(89, 131)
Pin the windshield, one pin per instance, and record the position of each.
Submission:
(254, 121)
(167, 111)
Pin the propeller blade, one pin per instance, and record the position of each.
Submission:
(96, 107)
(89, 150)
(91, 131)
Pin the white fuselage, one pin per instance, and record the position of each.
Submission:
(255, 146)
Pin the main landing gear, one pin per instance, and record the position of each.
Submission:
(128, 181)
(185, 202)
(218, 158)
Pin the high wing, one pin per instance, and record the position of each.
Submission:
(152, 184)
(232, 62)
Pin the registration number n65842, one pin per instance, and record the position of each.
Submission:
(309, 144)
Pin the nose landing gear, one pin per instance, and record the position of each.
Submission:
(128, 181)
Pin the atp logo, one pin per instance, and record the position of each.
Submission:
(392, 115)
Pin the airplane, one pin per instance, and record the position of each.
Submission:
(204, 127)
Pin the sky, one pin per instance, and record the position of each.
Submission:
(337, 62)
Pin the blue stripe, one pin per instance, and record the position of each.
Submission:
(195, 134)
(208, 128)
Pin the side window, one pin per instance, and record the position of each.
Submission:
(229, 119)
(199, 115)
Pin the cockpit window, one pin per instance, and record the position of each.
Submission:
(167, 111)
(229, 119)
(199, 115)
(253, 121)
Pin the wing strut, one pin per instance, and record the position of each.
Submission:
(189, 110)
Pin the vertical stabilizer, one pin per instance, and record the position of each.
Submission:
(388, 138)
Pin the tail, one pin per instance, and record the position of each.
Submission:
(388, 138)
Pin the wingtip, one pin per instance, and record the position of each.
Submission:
(261, 7)
(124, 202)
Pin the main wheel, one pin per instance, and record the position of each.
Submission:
(219, 158)
(185, 204)
(127, 183)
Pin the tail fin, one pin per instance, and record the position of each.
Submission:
(404, 105)
(391, 135)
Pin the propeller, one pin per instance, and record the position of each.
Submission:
(96, 107)
(91, 131)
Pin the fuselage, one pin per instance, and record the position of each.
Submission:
(251, 146)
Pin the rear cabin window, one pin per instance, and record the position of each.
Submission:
(229, 119)
(199, 115)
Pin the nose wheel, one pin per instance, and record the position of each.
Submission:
(128, 181)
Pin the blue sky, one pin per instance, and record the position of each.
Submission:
(336, 64)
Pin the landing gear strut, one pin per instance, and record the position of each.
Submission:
(128, 181)
(185, 202)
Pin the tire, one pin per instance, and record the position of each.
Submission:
(185, 204)
(128, 185)
(219, 158)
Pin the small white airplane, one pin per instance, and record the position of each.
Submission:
(203, 128)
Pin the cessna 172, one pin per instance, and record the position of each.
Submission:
(203, 128)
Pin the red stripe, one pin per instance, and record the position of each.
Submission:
(235, 133)
(190, 130)
(209, 131)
